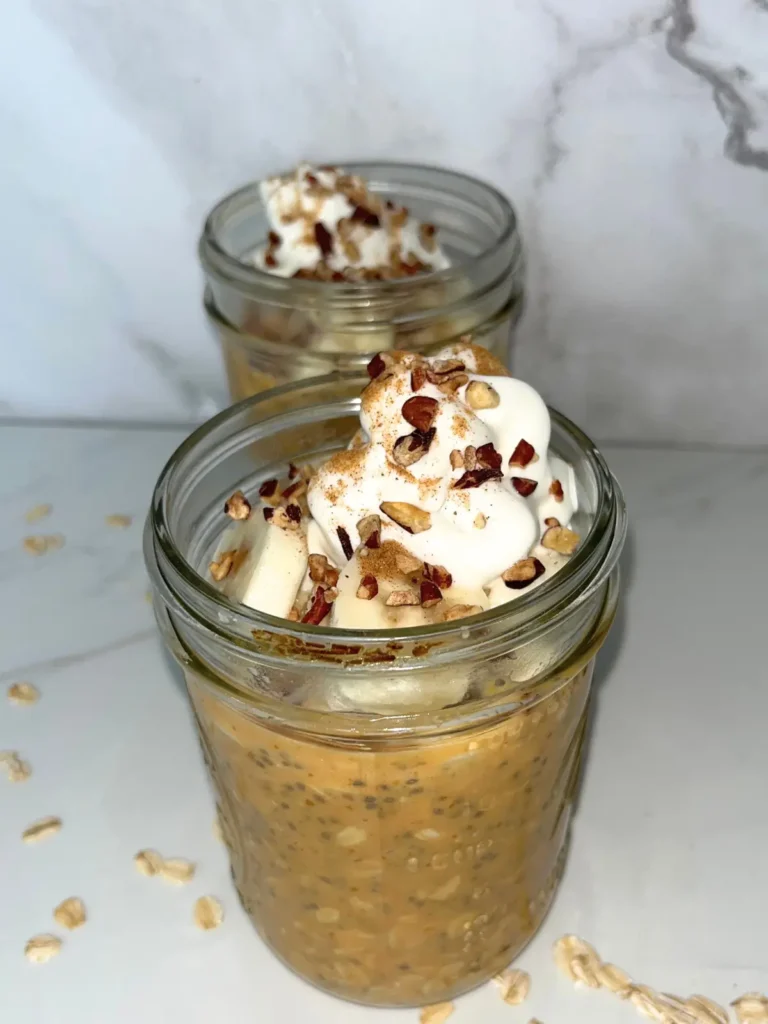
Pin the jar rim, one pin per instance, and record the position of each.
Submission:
(217, 261)
(184, 588)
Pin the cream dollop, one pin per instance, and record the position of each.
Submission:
(477, 512)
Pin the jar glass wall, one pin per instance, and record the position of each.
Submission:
(391, 860)
(273, 330)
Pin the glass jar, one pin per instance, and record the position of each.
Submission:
(273, 330)
(390, 860)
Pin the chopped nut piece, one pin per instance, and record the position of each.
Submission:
(294, 614)
(346, 543)
(287, 518)
(556, 490)
(457, 459)
(514, 986)
(418, 377)
(369, 530)
(40, 544)
(551, 521)
(409, 517)
(208, 913)
(148, 862)
(438, 1013)
(70, 913)
(487, 456)
(420, 412)
(523, 454)
(295, 490)
(442, 366)
(16, 769)
(476, 478)
(480, 395)
(461, 611)
(560, 539)
(368, 588)
(41, 948)
(41, 829)
(23, 693)
(318, 608)
(430, 594)
(376, 366)
(439, 575)
(38, 512)
(121, 522)
(268, 488)
(522, 573)
(411, 447)
(407, 563)
(524, 486)
(451, 383)
(324, 238)
(321, 571)
(177, 871)
(427, 238)
(480, 521)
(399, 598)
(222, 568)
(470, 457)
(237, 506)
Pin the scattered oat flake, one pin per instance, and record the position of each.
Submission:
(514, 986)
(119, 521)
(751, 1008)
(577, 960)
(177, 871)
(436, 1014)
(209, 913)
(70, 913)
(38, 512)
(41, 829)
(148, 862)
(16, 769)
(23, 693)
(41, 948)
(707, 1010)
(614, 979)
(40, 543)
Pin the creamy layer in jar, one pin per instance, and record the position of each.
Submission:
(447, 502)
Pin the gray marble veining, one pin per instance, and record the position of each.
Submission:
(631, 135)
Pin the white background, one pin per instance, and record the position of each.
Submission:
(629, 133)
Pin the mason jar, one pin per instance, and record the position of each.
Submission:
(392, 860)
(273, 330)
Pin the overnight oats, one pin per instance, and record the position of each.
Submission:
(315, 270)
(387, 607)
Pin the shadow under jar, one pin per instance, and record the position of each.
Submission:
(274, 330)
(390, 860)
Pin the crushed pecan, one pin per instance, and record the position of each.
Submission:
(400, 598)
(221, 569)
(524, 486)
(407, 563)
(451, 382)
(439, 575)
(409, 517)
(457, 459)
(487, 457)
(346, 543)
(551, 521)
(477, 477)
(376, 366)
(318, 608)
(480, 395)
(287, 518)
(556, 490)
(366, 216)
(522, 573)
(412, 447)
(560, 539)
(268, 489)
(237, 506)
(321, 571)
(430, 594)
(268, 513)
(470, 457)
(294, 490)
(420, 412)
(369, 529)
(523, 453)
(324, 238)
(369, 588)
(418, 377)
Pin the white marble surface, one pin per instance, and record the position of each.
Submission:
(630, 133)
(667, 870)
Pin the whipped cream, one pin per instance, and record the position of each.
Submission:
(327, 224)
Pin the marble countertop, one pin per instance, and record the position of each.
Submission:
(667, 869)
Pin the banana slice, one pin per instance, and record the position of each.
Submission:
(269, 567)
